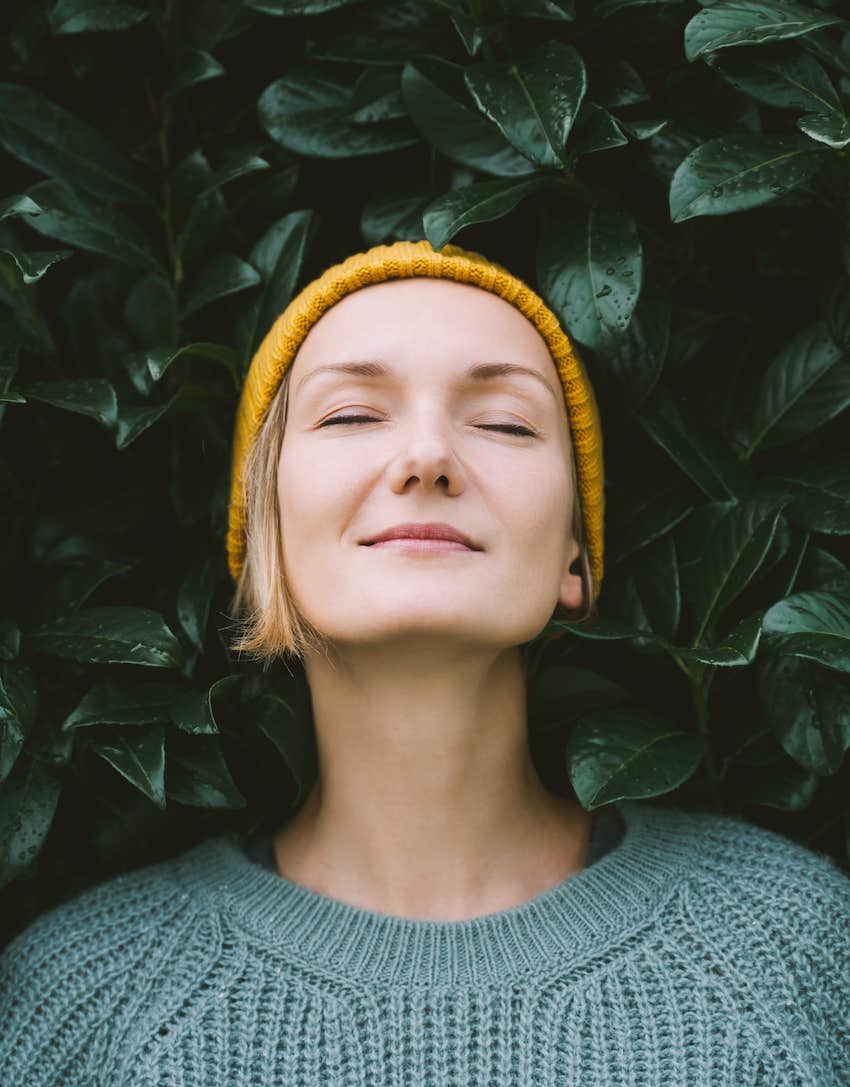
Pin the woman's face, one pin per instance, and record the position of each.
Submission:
(426, 447)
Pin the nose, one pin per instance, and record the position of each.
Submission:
(425, 453)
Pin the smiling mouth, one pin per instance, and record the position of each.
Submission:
(419, 545)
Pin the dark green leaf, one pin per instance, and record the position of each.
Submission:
(814, 625)
(729, 23)
(196, 66)
(84, 16)
(72, 589)
(15, 206)
(278, 256)
(808, 708)
(134, 421)
(308, 112)
(198, 775)
(32, 266)
(833, 129)
(194, 598)
(795, 82)
(533, 99)
(191, 711)
(79, 222)
(821, 496)
(566, 691)
(111, 702)
(28, 803)
(720, 548)
(698, 451)
(807, 383)
(734, 649)
(595, 130)
(159, 359)
(139, 756)
(110, 635)
(18, 709)
(225, 274)
(590, 271)
(789, 787)
(10, 639)
(450, 213)
(94, 397)
(745, 170)
(55, 142)
(441, 107)
(296, 7)
(627, 753)
(292, 735)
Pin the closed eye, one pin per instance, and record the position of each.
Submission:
(510, 428)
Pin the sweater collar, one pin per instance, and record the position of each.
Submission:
(557, 928)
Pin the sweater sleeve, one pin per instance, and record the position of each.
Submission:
(811, 927)
(780, 912)
(64, 978)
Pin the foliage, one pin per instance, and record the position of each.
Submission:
(673, 176)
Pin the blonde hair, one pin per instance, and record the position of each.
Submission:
(262, 604)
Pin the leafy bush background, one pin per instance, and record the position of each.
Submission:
(673, 177)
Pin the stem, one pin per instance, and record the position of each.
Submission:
(700, 685)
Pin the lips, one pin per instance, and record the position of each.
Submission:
(430, 530)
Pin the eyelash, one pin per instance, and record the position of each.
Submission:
(516, 429)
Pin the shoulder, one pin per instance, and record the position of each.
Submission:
(66, 977)
(729, 850)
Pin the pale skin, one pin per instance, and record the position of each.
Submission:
(427, 804)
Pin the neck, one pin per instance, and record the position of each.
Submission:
(427, 803)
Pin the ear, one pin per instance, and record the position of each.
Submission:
(571, 587)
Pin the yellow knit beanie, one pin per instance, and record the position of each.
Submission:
(404, 259)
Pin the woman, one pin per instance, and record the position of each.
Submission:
(432, 914)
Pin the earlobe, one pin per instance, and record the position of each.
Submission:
(572, 590)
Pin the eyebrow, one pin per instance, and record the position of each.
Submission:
(479, 371)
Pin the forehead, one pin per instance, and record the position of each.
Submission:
(411, 320)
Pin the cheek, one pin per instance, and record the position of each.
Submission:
(315, 488)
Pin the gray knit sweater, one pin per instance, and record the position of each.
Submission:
(696, 950)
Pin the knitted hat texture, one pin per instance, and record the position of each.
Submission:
(402, 260)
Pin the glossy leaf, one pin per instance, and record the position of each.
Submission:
(729, 23)
(590, 271)
(139, 756)
(441, 107)
(55, 142)
(81, 222)
(698, 451)
(720, 548)
(808, 708)
(807, 383)
(199, 776)
(226, 274)
(735, 173)
(821, 496)
(627, 753)
(94, 397)
(833, 129)
(85, 16)
(814, 625)
(795, 82)
(194, 598)
(110, 635)
(534, 99)
(308, 113)
(32, 266)
(278, 257)
(450, 213)
(28, 801)
(111, 702)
